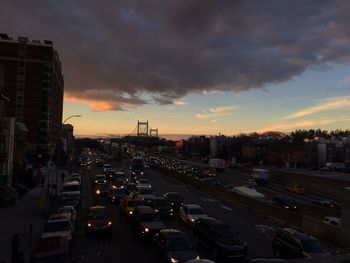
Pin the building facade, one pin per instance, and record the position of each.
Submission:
(33, 82)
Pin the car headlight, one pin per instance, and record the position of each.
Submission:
(105, 181)
(171, 210)
(98, 192)
(174, 260)
(156, 210)
(192, 220)
(146, 229)
(141, 172)
(198, 257)
(89, 225)
(130, 212)
(95, 181)
(109, 223)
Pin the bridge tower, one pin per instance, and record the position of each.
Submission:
(153, 132)
(142, 128)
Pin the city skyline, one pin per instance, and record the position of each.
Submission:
(190, 68)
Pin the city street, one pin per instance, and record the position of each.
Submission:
(122, 246)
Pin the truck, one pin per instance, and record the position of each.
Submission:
(217, 164)
(249, 192)
(137, 166)
(261, 176)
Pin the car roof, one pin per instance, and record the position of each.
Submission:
(170, 232)
(145, 209)
(59, 217)
(71, 183)
(193, 206)
(97, 208)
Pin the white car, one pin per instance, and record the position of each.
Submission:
(71, 189)
(68, 209)
(144, 193)
(333, 221)
(59, 225)
(191, 213)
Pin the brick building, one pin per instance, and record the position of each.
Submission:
(33, 81)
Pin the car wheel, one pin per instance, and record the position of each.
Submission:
(277, 252)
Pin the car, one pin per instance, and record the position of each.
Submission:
(285, 202)
(327, 204)
(191, 213)
(71, 189)
(143, 182)
(128, 205)
(175, 199)
(52, 249)
(68, 209)
(144, 193)
(173, 246)
(59, 225)
(296, 189)
(291, 243)
(100, 178)
(161, 205)
(146, 221)
(333, 221)
(98, 220)
(220, 238)
(116, 193)
(106, 166)
(101, 189)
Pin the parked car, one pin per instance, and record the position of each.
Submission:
(296, 189)
(71, 189)
(191, 213)
(333, 221)
(220, 238)
(146, 221)
(290, 243)
(98, 220)
(52, 249)
(144, 193)
(68, 209)
(143, 182)
(285, 202)
(59, 225)
(161, 206)
(174, 246)
(175, 199)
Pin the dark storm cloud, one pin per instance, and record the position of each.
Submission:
(128, 53)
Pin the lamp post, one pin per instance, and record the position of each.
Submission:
(72, 116)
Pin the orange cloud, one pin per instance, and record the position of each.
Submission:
(95, 105)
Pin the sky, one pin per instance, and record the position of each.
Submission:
(195, 66)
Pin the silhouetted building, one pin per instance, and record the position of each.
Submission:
(32, 80)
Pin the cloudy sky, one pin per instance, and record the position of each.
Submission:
(195, 66)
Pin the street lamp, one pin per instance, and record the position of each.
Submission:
(72, 116)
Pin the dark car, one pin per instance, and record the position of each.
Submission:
(161, 205)
(146, 221)
(174, 246)
(175, 200)
(116, 193)
(290, 243)
(286, 202)
(327, 203)
(220, 238)
(52, 249)
(98, 220)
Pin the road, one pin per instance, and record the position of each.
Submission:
(123, 247)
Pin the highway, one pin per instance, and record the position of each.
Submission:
(122, 246)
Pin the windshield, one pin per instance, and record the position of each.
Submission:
(178, 243)
(134, 203)
(149, 217)
(223, 230)
(195, 211)
(160, 203)
(57, 226)
(71, 188)
(313, 246)
(98, 215)
(145, 191)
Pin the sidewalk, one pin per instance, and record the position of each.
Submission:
(18, 219)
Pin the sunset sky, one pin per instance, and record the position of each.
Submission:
(195, 67)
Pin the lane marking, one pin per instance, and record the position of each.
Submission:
(209, 199)
(226, 207)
